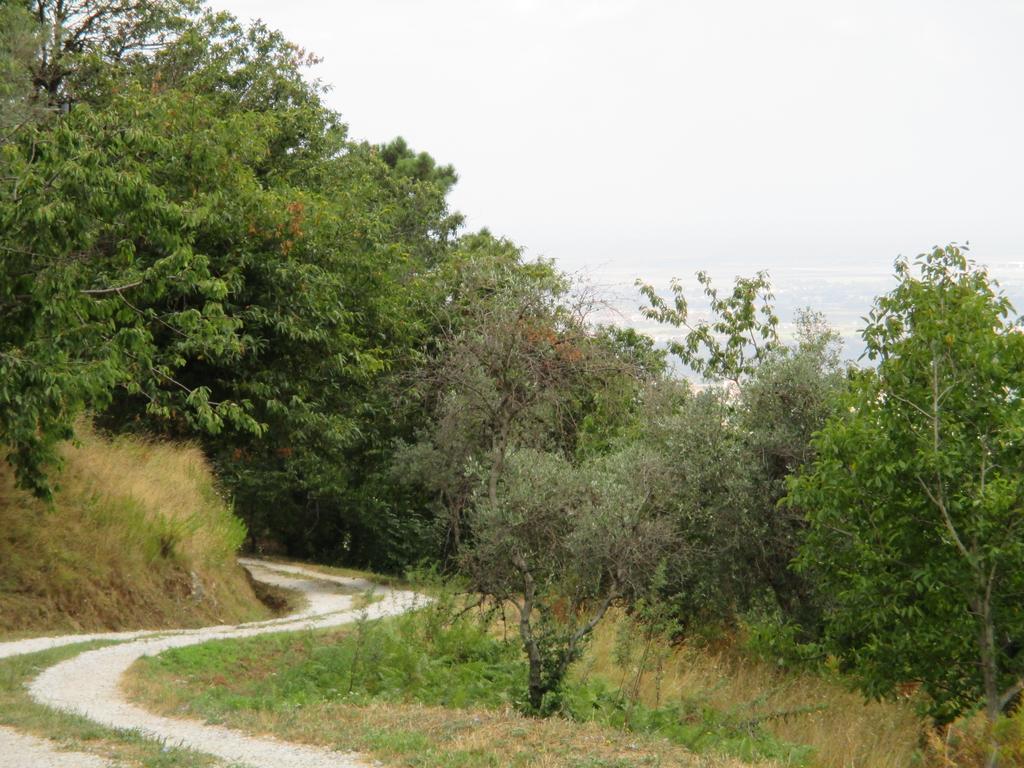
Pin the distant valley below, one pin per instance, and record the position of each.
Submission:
(843, 294)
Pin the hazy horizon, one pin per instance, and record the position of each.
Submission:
(633, 138)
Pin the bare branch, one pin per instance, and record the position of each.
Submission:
(113, 289)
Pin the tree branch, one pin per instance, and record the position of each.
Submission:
(113, 289)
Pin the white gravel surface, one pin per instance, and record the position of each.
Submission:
(36, 644)
(20, 751)
(89, 684)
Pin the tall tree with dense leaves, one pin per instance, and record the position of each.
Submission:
(103, 285)
(916, 498)
(313, 244)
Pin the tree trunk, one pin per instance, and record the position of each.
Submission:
(989, 674)
(535, 683)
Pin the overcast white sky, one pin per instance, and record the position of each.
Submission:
(644, 138)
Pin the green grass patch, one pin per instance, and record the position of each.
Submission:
(691, 722)
(400, 661)
(422, 659)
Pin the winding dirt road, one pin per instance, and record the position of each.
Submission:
(89, 684)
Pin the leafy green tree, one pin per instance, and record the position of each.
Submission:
(787, 398)
(92, 244)
(915, 498)
(515, 380)
(742, 333)
(252, 68)
(193, 246)
(612, 407)
(506, 351)
(315, 245)
(708, 575)
(732, 448)
(417, 165)
(514, 366)
(319, 292)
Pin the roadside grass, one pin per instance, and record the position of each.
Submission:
(418, 691)
(796, 707)
(75, 733)
(137, 537)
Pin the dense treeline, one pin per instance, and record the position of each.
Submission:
(192, 245)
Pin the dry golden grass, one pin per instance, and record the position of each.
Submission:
(170, 483)
(137, 537)
(801, 708)
(966, 743)
(411, 734)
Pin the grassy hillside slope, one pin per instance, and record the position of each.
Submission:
(137, 537)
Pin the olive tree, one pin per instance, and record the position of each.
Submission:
(562, 544)
(788, 397)
(511, 365)
(733, 444)
(916, 498)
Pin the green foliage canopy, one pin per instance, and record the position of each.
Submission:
(916, 496)
(93, 241)
(193, 246)
(742, 333)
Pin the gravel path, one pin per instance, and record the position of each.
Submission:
(20, 751)
(88, 684)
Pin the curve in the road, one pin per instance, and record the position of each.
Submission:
(89, 684)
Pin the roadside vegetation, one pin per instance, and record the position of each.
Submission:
(136, 537)
(193, 248)
(733, 675)
(427, 690)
